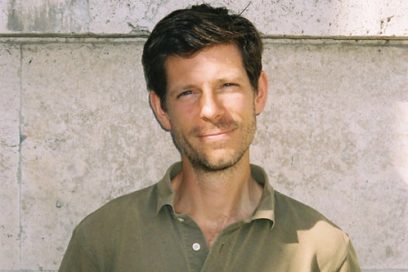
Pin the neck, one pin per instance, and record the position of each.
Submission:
(216, 199)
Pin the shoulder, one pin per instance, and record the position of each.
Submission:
(113, 214)
(311, 230)
(98, 235)
(290, 209)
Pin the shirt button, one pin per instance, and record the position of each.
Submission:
(196, 246)
(180, 219)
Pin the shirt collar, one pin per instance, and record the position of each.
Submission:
(165, 196)
(266, 206)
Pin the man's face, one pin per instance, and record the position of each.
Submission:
(211, 106)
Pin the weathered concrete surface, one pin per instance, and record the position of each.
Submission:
(9, 155)
(90, 137)
(289, 17)
(334, 134)
(50, 16)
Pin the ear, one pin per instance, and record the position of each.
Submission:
(160, 114)
(262, 94)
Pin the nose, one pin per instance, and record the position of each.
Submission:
(211, 107)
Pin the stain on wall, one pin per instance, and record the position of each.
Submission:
(69, 16)
(14, 22)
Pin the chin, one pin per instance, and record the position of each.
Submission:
(222, 162)
(216, 167)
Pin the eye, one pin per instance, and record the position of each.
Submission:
(229, 84)
(185, 93)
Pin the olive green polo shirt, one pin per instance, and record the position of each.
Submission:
(142, 232)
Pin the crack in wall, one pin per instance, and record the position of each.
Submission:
(19, 171)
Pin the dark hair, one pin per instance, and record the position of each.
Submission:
(186, 31)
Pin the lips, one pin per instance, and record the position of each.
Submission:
(223, 128)
(216, 135)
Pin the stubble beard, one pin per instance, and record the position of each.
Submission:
(203, 162)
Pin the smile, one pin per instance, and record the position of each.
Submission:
(216, 135)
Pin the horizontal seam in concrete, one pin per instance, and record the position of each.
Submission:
(342, 38)
(27, 270)
(283, 41)
(31, 41)
(75, 35)
(146, 34)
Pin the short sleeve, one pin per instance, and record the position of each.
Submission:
(350, 263)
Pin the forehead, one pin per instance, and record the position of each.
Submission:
(221, 60)
(224, 52)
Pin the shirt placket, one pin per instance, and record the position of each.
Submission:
(194, 243)
(219, 254)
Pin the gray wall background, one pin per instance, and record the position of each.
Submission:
(76, 129)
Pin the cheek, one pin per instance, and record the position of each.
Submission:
(239, 104)
(182, 118)
(186, 110)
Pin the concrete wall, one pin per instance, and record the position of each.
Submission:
(76, 129)
(274, 17)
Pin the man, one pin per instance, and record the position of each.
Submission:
(213, 211)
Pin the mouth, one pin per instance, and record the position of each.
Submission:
(216, 135)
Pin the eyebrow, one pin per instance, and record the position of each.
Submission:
(233, 78)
